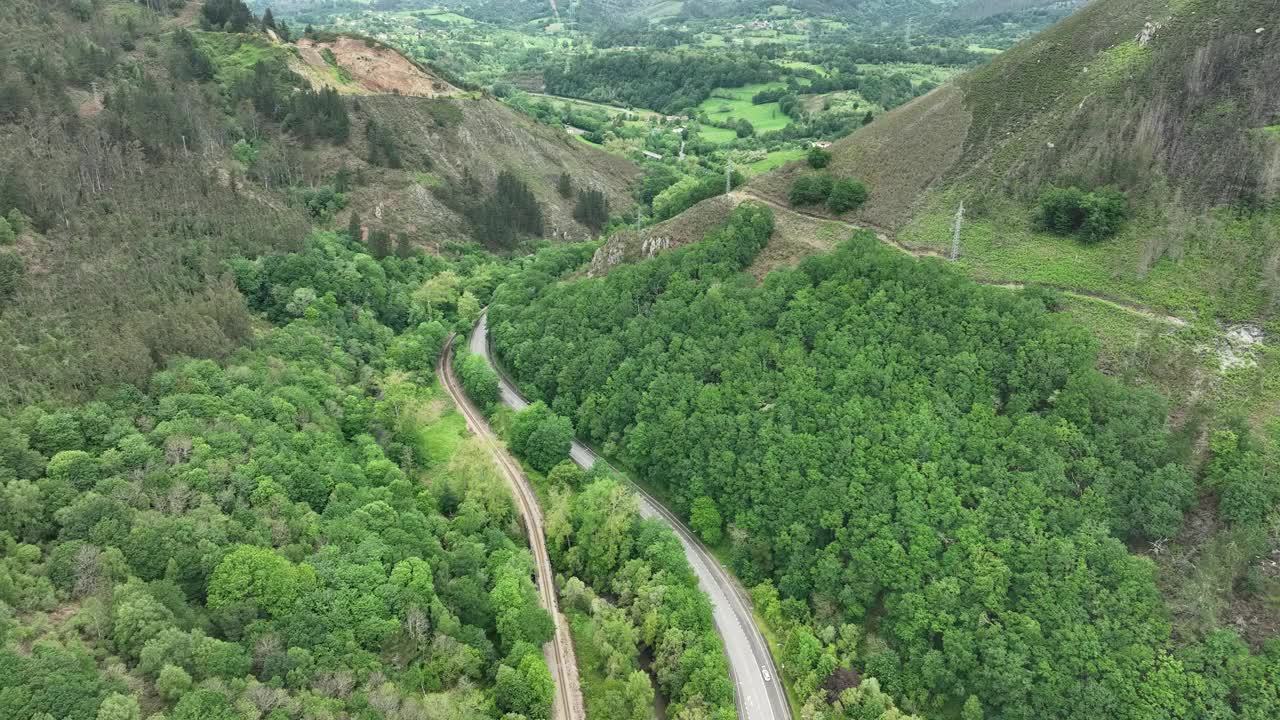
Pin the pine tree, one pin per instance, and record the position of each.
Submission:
(268, 20)
(565, 185)
(353, 227)
(379, 243)
(592, 209)
(382, 146)
(404, 246)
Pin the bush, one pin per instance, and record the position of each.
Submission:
(7, 235)
(745, 129)
(1062, 210)
(688, 192)
(17, 221)
(82, 9)
(818, 158)
(811, 190)
(1092, 216)
(847, 195)
(1104, 214)
(323, 203)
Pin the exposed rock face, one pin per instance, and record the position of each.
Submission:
(687, 227)
(1147, 33)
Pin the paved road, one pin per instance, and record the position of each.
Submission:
(759, 691)
(567, 704)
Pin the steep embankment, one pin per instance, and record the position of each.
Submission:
(450, 145)
(1169, 102)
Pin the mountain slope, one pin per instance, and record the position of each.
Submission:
(1088, 101)
(1173, 103)
(139, 156)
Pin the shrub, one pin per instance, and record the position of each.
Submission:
(1061, 210)
(1104, 214)
(82, 9)
(811, 190)
(17, 221)
(1092, 216)
(818, 158)
(7, 235)
(323, 203)
(688, 192)
(846, 195)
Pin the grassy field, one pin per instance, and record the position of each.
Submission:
(717, 135)
(642, 113)
(712, 40)
(735, 103)
(1210, 267)
(800, 65)
(919, 72)
(447, 17)
(773, 160)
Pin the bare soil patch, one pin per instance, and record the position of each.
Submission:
(374, 69)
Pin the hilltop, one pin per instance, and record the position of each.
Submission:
(141, 150)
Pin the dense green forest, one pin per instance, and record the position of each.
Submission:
(302, 532)
(669, 82)
(624, 577)
(927, 478)
(230, 487)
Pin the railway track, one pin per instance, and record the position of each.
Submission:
(751, 666)
(567, 704)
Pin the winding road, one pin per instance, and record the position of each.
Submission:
(760, 694)
(567, 703)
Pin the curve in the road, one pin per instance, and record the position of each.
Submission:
(760, 695)
(567, 704)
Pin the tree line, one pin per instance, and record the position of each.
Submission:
(663, 81)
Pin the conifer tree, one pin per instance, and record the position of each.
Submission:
(353, 227)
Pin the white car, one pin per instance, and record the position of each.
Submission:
(765, 671)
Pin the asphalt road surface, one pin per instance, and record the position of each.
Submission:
(759, 689)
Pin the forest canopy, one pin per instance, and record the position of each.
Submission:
(301, 532)
(891, 445)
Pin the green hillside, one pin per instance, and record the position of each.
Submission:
(1171, 120)
(1175, 119)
